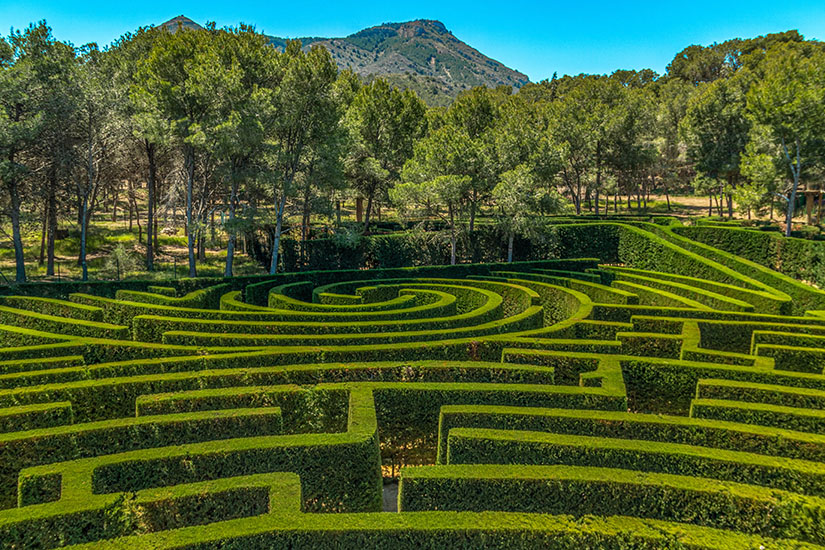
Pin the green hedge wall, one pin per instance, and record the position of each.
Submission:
(451, 531)
(763, 414)
(624, 425)
(19, 450)
(771, 394)
(798, 258)
(580, 491)
(485, 446)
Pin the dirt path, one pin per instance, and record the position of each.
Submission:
(390, 497)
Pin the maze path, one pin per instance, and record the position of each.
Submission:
(674, 401)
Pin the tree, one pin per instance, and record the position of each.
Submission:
(704, 185)
(449, 151)
(698, 64)
(580, 127)
(145, 128)
(96, 130)
(520, 198)
(239, 138)
(55, 146)
(672, 100)
(789, 100)
(716, 130)
(306, 111)
(176, 88)
(521, 137)
(761, 166)
(573, 139)
(629, 142)
(604, 96)
(31, 63)
(383, 123)
(471, 120)
(442, 191)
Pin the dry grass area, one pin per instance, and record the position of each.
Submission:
(697, 206)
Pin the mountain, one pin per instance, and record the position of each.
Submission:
(422, 55)
(182, 21)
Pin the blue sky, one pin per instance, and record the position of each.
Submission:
(537, 38)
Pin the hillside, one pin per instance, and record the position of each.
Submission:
(182, 21)
(422, 55)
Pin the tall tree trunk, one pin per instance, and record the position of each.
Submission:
(83, 229)
(276, 241)
(796, 170)
(129, 203)
(510, 238)
(473, 201)
(305, 213)
(368, 212)
(115, 194)
(52, 229)
(90, 179)
(47, 230)
(230, 245)
(452, 236)
(598, 175)
(19, 260)
(158, 193)
(42, 258)
(134, 205)
(645, 192)
(202, 239)
(17, 239)
(578, 195)
(189, 161)
(212, 235)
(150, 205)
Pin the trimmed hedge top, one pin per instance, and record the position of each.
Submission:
(665, 395)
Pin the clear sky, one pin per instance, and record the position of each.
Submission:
(536, 38)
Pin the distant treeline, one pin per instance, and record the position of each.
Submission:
(217, 121)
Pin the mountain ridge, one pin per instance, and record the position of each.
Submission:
(421, 54)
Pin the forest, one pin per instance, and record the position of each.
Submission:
(218, 136)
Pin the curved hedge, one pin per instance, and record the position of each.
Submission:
(644, 390)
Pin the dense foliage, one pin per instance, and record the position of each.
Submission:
(576, 402)
(221, 122)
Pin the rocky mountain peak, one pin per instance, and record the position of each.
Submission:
(421, 54)
(180, 21)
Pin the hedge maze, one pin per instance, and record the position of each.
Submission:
(643, 391)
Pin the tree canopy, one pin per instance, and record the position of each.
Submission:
(267, 137)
